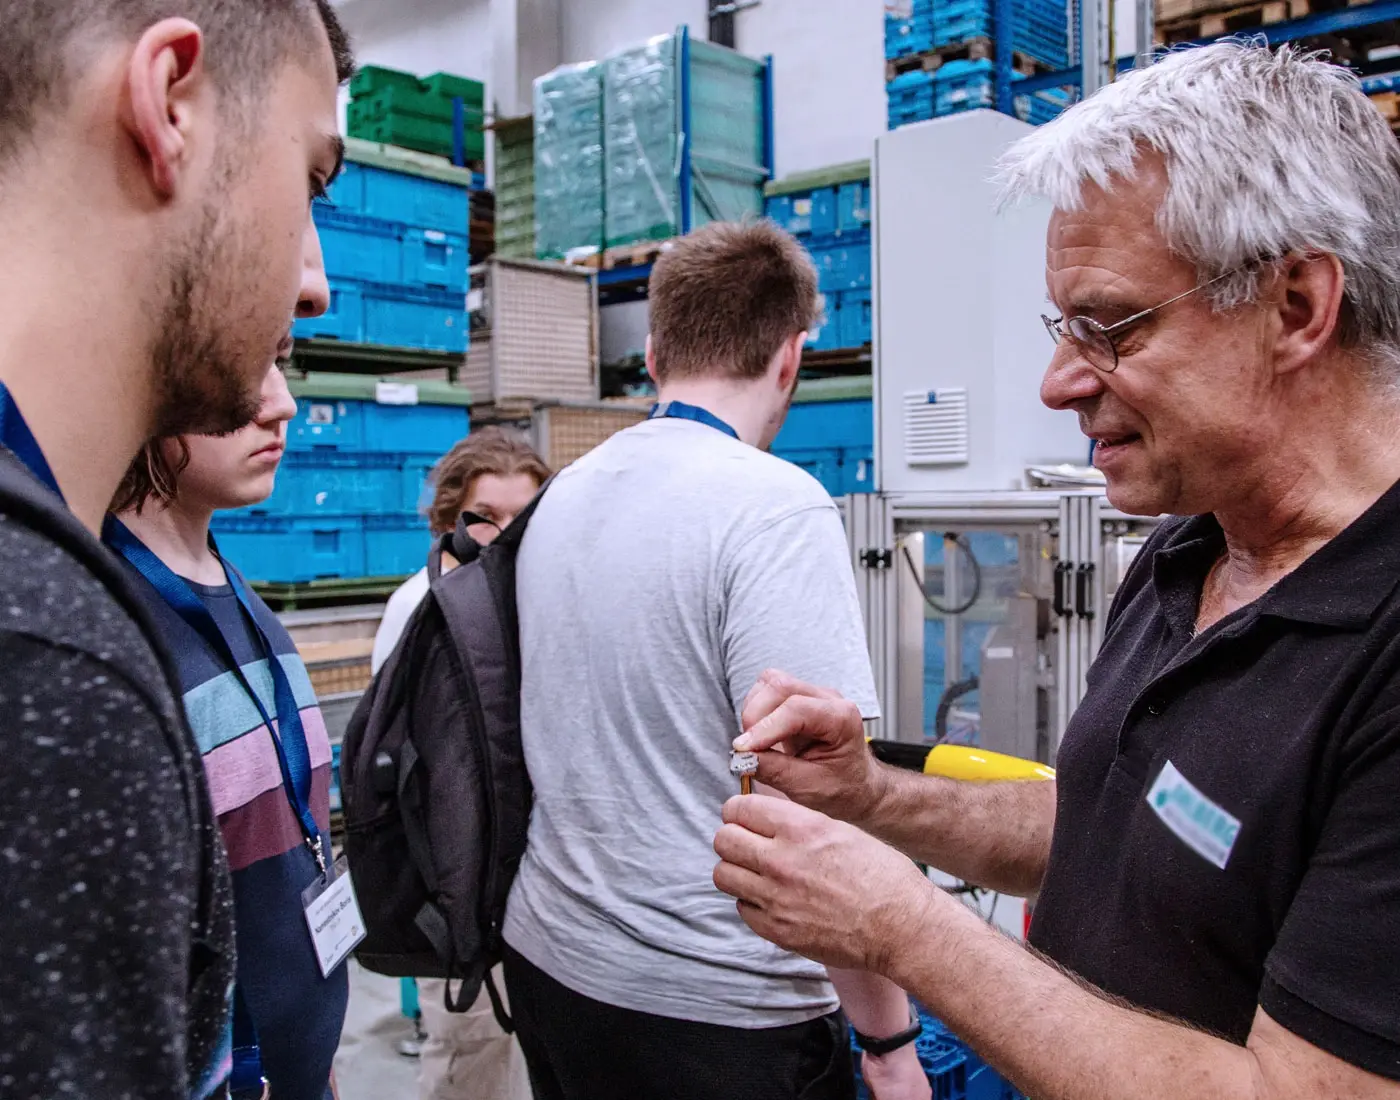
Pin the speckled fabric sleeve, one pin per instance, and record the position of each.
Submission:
(116, 940)
(93, 966)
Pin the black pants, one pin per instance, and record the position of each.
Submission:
(577, 1048)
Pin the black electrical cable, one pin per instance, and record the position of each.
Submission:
(951, 695)
(966, 547)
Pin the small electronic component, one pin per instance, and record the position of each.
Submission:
(744, 765)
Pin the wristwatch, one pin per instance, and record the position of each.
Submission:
(879, 1047)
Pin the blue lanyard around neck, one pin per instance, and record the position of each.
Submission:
(288, 734)
(16, 437)
(679, 410)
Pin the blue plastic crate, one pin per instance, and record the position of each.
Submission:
(906, 37)
(436, 259)
(292, 549)
(853, 208)
(910, 98)
(963, 86)
(823, 463)
(418, 429)
(327, 423)
(841, 267)
(1380, 82)
(357, 247)
(827, 334)
(412, 200)
(344, 317)
(395, 545)
(812, 425)
(414, 317)
(805, 214)
(855, 317)
(334, 483)
(415, 487)
(858, 470)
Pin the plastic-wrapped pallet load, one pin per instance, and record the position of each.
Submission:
(568, 160)
(644, 108)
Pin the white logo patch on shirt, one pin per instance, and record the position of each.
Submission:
(1199, 823)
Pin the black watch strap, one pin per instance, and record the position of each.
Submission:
(879, 1047)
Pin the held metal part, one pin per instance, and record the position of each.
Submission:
(744, 765)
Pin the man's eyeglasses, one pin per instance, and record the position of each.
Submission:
(1099, 343)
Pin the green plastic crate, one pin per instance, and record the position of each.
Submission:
(413, 103)
(423, 135)
(373, 78)
(471, 92)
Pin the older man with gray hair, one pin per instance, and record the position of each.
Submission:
(1217, 867)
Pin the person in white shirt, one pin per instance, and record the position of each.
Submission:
(662, 573)
(494, 474)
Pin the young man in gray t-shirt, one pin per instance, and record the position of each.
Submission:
(661, 575)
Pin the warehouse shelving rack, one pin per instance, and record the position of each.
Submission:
(1089, 75)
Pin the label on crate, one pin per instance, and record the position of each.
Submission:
(395, 393)
(802, 208)
(320, 414)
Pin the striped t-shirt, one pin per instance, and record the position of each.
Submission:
(297, 1014)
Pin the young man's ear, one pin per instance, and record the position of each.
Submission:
(651, 362)
(790, 360)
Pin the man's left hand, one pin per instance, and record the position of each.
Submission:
(818, 887)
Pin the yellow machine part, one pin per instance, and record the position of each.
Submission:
(980, 766)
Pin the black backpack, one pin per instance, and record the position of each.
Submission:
(433, 784)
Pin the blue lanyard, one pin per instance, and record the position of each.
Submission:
(16, 437)
(679, 410)
(288, 734)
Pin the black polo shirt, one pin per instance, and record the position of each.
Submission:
(1228, 825)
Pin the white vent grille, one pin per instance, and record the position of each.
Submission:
(935, 427)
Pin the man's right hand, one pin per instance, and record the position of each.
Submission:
(811, 746)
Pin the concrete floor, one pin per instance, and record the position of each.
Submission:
(368, 1065)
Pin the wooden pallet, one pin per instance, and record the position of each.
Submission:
(636, 254)
(1231, 20)
(974, 49)
(1388, 103)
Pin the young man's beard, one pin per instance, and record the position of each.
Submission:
(204, 382)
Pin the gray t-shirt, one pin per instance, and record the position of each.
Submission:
(662, 573)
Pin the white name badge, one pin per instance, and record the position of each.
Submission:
(333, 915)
(1199, 823)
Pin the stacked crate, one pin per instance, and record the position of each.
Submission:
(349, 495)
(568, 161)
(395, 241)
(536, 337)
(829, 212)
(647, 144)
(954, 1071)
(441, 114)
(645, 91)
(515, 189)
(940, 58)
(830, 433)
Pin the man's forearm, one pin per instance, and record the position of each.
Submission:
(995, 835)
(1022, 1014)
(874, 1005)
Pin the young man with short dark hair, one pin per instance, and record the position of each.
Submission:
(157, 161)
(660, 575)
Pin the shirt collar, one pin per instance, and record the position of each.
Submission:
(1342, 585)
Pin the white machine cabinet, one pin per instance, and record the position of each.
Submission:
(959, 291)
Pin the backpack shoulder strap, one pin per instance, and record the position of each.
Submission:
(464, 548)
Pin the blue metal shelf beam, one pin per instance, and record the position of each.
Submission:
(1309, 26)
